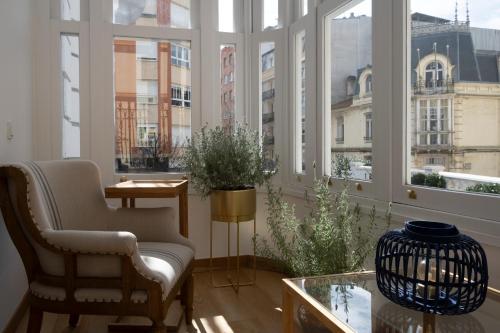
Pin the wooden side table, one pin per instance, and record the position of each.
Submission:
(130, 190)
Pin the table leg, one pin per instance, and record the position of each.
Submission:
(287, 308)
(132, 202)
(183, 213)
(237, 257)
(124, 203)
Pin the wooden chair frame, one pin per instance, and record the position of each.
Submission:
(154, 308)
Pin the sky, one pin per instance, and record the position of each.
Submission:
(483, 13)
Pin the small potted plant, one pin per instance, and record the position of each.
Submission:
(227, 166)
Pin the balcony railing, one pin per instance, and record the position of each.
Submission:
(268, 94)
(433, 87)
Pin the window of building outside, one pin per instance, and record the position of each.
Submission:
(340, 130)
(152, 104)
(300, 102)
(267, 84)
(455, 96)
(70, 74)
(368, 127)
(348, 59)
(227, 86)
(160, 13)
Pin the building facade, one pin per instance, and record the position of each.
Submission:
(152, 91)
(455, 71)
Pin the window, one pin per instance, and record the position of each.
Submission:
(137, 63)
(348, 91)
(450, 66)
(226, 16)
(70, 10)
(227, 70)
(300, 102)
(434, 118)
(70, 72)
(270, 14)
(267, 83)
(434, 74)
(147, 135)
(368, 127)
(164, 13)
(368, 84)
(177, 96)
(181, 56)
(340, 130)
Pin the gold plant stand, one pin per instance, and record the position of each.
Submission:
(233, 207)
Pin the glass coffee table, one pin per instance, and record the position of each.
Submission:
(352, 303)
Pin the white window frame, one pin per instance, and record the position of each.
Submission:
(381, 102)
(52, 109)
(298, 179)
(459, 205)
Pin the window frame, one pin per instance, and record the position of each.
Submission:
(296, 179)
(381, 101)
(57, 28)
(474, 205)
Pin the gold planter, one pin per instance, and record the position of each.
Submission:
(233, 207)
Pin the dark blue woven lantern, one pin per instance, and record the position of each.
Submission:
(433, 268)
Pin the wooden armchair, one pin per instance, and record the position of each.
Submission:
(82, 256)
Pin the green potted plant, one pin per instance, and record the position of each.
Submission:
(332, 239)
(227, 165)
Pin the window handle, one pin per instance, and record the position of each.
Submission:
(359, 187)
(412, 194)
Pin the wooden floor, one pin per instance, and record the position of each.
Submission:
(256, 309)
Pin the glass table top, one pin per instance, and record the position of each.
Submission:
(356, 301)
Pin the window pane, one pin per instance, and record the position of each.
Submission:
(454, 128)
(70, 76)
(270, 14)
(304, 7)
(167, 13)
(267, 86)
(152, 104)
(349, 92)
(227, 69)
(70, 10)
(226, 15)
(300, 102)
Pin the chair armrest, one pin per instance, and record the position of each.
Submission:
(93, 242)
(148, 224)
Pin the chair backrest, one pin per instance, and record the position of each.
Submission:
(36, 196)
(72, 193)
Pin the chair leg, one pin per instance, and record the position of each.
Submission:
(73, 320)
(187, 292)
(35, 320)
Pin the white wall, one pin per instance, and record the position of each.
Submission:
(15, 106)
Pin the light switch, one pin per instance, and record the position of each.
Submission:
(10, 131)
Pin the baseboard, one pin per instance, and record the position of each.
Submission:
(18, 315)
(245, 261)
